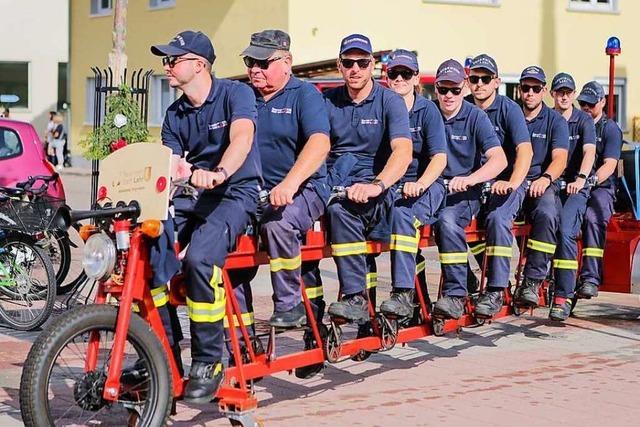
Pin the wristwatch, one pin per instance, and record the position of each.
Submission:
(581, 175)
(546, 175)
(221, 170)
(379, 183)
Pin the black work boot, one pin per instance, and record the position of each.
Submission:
(560, 312)
(449, 307)
(400, 304)
(527, 294)
(489, 304)
(310, 343)
(204, 381)
(353, 308)
(587, 290)
(294, 318)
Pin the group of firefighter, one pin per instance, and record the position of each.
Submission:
(404, 162)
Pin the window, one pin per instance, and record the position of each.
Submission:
(161, 4)
(101, 7)
(161, 97)
(90, 100)
(467, 2)
(14, 80)
(619, 98)
(594, 5)
(62, 86)
(509, 87)
(10, 145)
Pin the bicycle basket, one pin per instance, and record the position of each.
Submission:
(29, 216)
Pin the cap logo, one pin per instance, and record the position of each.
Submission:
(532, 70)
(179, 39)
(589, 90)
(563, 80)
(483, 61)
(449, 70)
(355, 39)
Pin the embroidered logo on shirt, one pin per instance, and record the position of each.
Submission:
(459, 137)
(280, 110)
(416, 129)
(574, 137)
(369, 121)
(218, 125)
(539, 135)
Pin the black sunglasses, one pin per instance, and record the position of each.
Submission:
(349, 63)
(527, 88)
(586, 104)
(263, 64)
(406, 74)
(444, 90)
(171, 61)
(485, 79)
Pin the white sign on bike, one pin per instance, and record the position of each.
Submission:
(140, 172)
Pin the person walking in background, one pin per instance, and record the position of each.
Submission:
(57, 142)
(48, 137)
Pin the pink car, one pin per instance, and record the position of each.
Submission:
(22, 155)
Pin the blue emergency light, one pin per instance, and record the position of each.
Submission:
(613, 46)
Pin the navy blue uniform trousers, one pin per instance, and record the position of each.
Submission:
(596, 220)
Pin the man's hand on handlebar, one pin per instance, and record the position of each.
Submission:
(413, 189)
(361, 193)
(282, 194)
(539, 186)
(461, 183)
(502, 188)
(576, 186)
(201, 178)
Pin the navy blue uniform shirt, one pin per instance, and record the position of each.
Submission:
(470, 135)
(582, 131)
(285, 123)
(203, 132)
(427, 135)
(608, 143)
(366, 129)
(548, 131)
(508, 121)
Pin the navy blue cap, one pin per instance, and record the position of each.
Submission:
(534, 72)
(563, 81)
(450, 71)
(356, 41)
(591, 92)
(403, 58)
(187, 42)
(265, 43)
(484, 61)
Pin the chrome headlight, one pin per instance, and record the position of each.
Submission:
(99, 257)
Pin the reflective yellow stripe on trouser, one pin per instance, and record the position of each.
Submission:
(247, 318)
(565, 264)
(205, 311)
(160, 296)
(314, 292)
(420, 267)
(278, 264)
(504, 251)
(346, 249)
(453, 258)
(594, 252)
(477, 248)
(403, 243)
(537, 245)
(372, 280)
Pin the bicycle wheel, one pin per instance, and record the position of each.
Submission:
(65, 250)
(56, 389)
(28, 287)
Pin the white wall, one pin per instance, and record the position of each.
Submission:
(37, 32)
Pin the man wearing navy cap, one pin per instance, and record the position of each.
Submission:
(582, 152)
(509, 189)
(470, 136)
(212, 124)
(423, 190)
(293, 139)
(550, 140)
(371, 150)
(600, 205)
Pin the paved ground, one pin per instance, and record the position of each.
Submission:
(516, 371)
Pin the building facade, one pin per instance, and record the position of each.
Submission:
(559, 35)
(34, 56)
